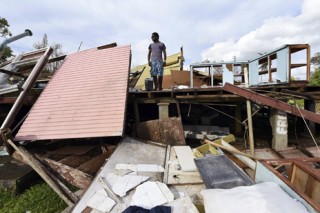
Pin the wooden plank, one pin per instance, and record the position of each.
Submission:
(63, 192)
(73, 176)
(271, 102)
(300, 179)
(75, 150)
(75, 160)
(231, 150)
(310, 186)
(92, 166)
(315, 194)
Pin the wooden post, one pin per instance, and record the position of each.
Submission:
(178, 109)
(238, 126)
(249, 114)
(136, 112)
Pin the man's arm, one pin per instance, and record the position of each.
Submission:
(149, 54)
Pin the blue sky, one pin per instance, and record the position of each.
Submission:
(207, 29)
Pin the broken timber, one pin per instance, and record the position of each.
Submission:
(74, 176)
(264, 100)
(54, 183)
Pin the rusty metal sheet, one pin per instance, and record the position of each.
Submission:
(167, 131)
(274, 103)
(85, 98)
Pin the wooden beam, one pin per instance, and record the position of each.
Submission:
(274, 103)
(92, 166)
(231, 150)
(63, 192)
(73, 176)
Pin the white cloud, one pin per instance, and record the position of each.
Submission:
(274, 32)
(196, 25)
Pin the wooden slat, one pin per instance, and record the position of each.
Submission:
(300, 179)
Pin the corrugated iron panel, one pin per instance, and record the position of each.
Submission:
(85, 98)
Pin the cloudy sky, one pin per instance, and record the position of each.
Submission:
(207, 29)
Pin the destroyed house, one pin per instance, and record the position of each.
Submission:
(216, 133)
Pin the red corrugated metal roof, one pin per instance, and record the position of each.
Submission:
(85, 98)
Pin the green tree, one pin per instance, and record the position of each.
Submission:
(315, 60)
(4, 31)
(4, 28)
(57, 51)
(315, 76)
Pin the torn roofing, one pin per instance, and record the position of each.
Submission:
(85, 98)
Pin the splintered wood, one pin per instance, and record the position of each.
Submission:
(167, 131)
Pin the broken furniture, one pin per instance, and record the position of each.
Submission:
(299, 177)
(278, 66)
(223, 71)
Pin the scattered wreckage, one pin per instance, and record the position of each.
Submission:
(75, 133)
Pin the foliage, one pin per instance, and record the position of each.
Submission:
(315, 77)
(4, 27)
(6, 53)
(57, 51)
(315, 60)
(299, 102)
(4, 31)
(39, 198)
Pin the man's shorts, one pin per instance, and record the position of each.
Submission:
(156, 68)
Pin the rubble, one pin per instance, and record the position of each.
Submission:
(124, 146)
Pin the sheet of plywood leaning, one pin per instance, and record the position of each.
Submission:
(85, 98)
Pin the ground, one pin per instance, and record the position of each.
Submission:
(39, 198)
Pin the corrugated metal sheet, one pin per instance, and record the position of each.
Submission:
(85, 98)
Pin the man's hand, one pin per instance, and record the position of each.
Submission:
(164, 63)
(149, 63)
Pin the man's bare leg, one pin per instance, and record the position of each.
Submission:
(155, 81)
(160, 83)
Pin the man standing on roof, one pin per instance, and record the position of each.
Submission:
(155, 60)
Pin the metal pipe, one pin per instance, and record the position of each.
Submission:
(14, 38)
(26, 87)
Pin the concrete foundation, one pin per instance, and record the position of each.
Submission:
(163, 110)
(279, 124)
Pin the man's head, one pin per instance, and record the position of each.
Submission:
(155, 37)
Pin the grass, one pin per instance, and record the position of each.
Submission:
(39, 198)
